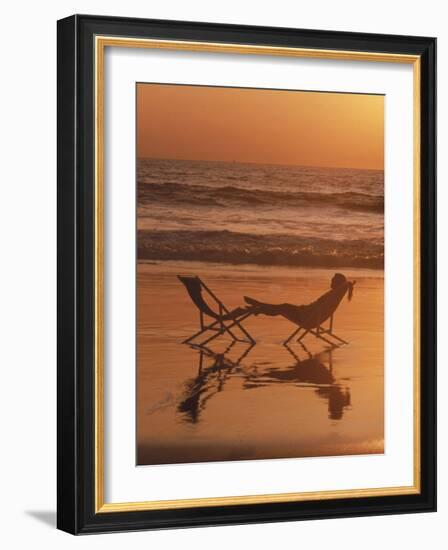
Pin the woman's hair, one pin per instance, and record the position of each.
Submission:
(338, 280)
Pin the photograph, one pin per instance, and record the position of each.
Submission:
(259, 274)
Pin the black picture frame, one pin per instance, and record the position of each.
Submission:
(76, 255)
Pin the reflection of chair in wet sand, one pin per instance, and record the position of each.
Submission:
(310, 318)
(209, 380)
(224, 320)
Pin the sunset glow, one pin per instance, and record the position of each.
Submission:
(260, 126)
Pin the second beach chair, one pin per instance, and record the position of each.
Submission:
(224, 320)
(311, 317)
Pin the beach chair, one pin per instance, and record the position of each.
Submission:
(224, 321)
(310, 318)
(319, 312)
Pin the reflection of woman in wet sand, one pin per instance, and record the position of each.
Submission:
(311, 372)
(338, 399)
(307, 316)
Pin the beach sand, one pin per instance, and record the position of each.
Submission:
(273, 402)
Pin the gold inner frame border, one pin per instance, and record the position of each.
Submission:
(100, 44)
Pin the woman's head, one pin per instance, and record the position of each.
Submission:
(339, 280)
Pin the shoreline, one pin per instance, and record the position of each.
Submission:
(228, 268)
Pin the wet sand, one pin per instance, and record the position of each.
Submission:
(265, 401)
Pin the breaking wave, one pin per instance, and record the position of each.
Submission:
(174, 193)
(241, 248)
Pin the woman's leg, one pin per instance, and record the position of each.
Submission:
(262, 308)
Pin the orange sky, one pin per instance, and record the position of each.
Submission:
(262, 126)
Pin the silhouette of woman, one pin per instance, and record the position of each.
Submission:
(311, 315)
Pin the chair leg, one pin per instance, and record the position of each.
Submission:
(196, 334)
(317, 335)
(201, 362)
(230, 346)
(306, 350)
(333, 335)
(212, 337)
(238, 322)
(292, 336)
(223, 328)
(245, 353)
(302, 336)
(292, 352)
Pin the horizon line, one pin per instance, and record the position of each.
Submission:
(260, 163)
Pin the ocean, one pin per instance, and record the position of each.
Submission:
(239, 213)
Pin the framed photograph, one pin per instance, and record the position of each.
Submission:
(246, 274)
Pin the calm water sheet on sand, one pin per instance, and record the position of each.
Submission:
(267, 401)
